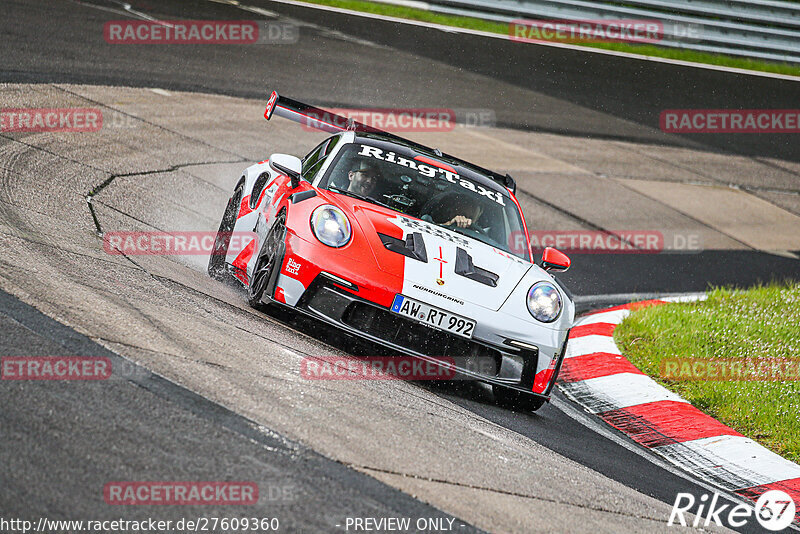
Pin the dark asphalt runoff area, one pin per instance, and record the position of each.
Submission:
(63, 441)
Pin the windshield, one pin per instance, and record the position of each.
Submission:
(420, 187)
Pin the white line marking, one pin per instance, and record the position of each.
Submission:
(126, 10)
(145, 16)
(259, 11)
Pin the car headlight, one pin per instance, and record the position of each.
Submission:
(544, 302)
(330, 226)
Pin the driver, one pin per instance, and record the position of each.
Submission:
(456, 210)
(469, 215)
(363, 178)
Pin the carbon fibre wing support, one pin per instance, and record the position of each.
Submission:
(320, 119)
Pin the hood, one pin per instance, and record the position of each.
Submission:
(436, 260)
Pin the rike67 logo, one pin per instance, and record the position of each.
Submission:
(774, 510)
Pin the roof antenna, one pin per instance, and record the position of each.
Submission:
(437, 152)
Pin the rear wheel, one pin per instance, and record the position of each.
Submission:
(516, 400)
(268, 256)
(216, 262)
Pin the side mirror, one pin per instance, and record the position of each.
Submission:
(288, 165)
(554, 260)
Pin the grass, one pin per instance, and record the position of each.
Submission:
(759, 323)
(501, 28)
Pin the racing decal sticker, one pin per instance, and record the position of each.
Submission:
(438, 294)
(430, 171)
(280, 296)
(410, 225)
(441, 261)
(292, 267)
(288, 290)
(269, 192)
(273, 99)
(436, 280)
(244, 256)
(244, 208)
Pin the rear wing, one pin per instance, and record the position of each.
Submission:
(326, 121)
(314, 117)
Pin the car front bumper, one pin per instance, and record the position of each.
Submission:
(470, 359)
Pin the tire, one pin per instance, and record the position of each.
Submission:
(516, 400)
(270, 252)
(216, 262)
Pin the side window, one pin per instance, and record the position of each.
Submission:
(315, 159)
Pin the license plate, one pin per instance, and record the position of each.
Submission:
(434, 317)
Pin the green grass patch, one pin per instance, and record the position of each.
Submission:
(497, 27)
(752, 325)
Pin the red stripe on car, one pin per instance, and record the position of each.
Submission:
(429, 161)
(244, 207)
(244, 256)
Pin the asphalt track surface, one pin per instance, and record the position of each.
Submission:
(171, 434)
(46, 451)
(532, 88)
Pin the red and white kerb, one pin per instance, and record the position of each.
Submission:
(597, 376)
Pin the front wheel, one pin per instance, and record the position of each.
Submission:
(516, 400)
(268, 256)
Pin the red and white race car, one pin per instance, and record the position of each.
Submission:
(404, 246)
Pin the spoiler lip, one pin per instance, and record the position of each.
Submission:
(312, 117)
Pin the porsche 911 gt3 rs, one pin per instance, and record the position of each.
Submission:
(404, 246)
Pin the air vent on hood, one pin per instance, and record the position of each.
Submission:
(302, 195)
(413, 246)
(465, 267)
